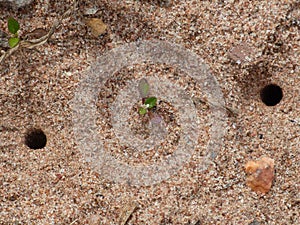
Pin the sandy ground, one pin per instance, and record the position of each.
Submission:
(76, 180)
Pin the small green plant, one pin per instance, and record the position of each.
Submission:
(13, 27)
(153, 120)
(148, 102)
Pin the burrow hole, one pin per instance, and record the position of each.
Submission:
(35, 139)
(271, 94)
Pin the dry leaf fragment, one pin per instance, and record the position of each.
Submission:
(97, 26)
(261, 174)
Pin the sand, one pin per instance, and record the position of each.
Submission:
(207, 63)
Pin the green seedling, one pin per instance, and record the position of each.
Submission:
(148, 102)
(142, 111)
(156, 122)
(13, 28)
(144, 88)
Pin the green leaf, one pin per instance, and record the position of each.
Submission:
(150, 102)
(13, 25)
(142, 111)
(143, 88)
(13, 41)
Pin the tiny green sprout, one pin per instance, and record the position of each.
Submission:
(13, 41)
(143, 88)
(142, 111)
(13, 27)
(149, 104)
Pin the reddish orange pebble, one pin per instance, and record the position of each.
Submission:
(261, 174)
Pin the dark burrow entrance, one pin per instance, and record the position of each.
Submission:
(35, 139)
(271, 94)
